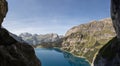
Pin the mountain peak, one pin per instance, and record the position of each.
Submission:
(38, 39)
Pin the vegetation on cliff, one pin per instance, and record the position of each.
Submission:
(57, 43)
(86, 40)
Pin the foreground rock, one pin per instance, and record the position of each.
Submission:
(86, 40)
(12, 52)
(3, 10)
(109, 55)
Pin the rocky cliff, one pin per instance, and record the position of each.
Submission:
(12, 52)
(86, 39)
(109, 55)
(3, 10)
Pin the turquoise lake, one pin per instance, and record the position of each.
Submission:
(56, 57)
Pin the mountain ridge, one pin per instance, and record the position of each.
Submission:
(86, 39)
(35, 39)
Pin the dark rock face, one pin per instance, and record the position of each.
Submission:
(12, 52)
(115, 14)
(109, 55)
(3, 10)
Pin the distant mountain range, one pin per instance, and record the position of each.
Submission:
(46, 40)
(35, 39)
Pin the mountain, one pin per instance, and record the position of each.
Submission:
(57, 43)
(85, 40)
(12, 51)
(44, 40)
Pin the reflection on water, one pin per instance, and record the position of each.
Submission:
(75, 61)
(56, 57)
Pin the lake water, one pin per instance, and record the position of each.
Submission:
(56, 57)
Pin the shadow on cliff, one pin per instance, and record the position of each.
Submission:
(109, 54)
(14, 53)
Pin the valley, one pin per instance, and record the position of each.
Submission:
(84, 40)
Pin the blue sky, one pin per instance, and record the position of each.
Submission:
(53, 16)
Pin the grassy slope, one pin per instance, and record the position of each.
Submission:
(88, 39)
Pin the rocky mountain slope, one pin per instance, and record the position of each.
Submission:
(57, 43)
(12, 52)
(85, 40)
(109, 55)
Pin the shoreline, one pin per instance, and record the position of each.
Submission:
(82, 57)
(77, 56)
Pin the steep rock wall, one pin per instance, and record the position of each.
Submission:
(12, 52)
